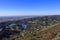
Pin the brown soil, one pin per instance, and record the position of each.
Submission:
(51, 34)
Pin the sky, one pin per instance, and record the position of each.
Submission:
(29, 7)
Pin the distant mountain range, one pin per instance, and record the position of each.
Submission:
(12, 18)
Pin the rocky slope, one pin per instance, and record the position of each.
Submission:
(38, 28)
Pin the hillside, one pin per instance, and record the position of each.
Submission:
(38, 28)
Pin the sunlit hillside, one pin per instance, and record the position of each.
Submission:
(35, 28)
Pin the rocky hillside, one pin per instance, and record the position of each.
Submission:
(38, 28)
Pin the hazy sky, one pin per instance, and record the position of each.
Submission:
(29, 7)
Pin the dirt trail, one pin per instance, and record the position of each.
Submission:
(57, 30)
(51, 34)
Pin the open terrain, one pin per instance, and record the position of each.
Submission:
(38, 28)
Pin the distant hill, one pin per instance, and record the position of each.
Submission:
(12, 18)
